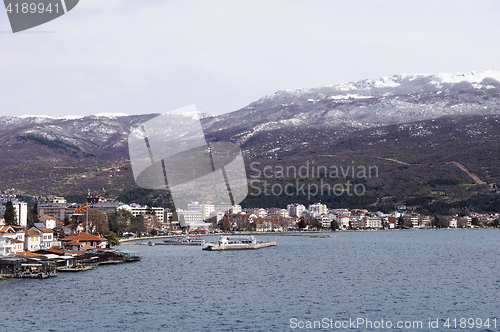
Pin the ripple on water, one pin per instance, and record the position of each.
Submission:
(389, 275)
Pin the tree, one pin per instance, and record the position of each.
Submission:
(384, 223)
(32, 216)
(407, 222)
(475, 221)
(149, 210)
(316, 223)
(98, 221)
(139, 225)
(496, 223)
(334, 225)
(302, 223)
(226, 224)
(10, 214)
(112, 238)
(121, 221)
(436, 222)
(400, 222)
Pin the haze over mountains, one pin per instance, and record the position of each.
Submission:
(418, 120)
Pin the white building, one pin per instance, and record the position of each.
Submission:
(197, 214)
(5, 245)
(343, 212)
(236, 209)
(278, 213)
(343, 222)
(325, 220)
(206, 210)
(46, 235)
(374, 222)
(21, 209)
(317, 209)
(48, 221)
(32, 240)
(228, 208)
(295, 210)
(138, 210)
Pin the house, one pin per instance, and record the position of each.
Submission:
(69, 230)
(83, 240)
(5, 245)
(16, 239)
(32, 240)
(373, 222)
(46, 235)
(16, 246)
(412, 219)
(48, 221)
(8, 231)
(325, 220)
(393, 222)
(344, 222)
(20, 235)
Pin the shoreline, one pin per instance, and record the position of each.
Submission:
(296, 233)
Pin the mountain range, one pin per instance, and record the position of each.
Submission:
(433, 137)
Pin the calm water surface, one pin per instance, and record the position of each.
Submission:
(395, 276)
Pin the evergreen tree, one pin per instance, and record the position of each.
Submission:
(149, 209)
(10, 214)
(401, 222)
(334, 225)
(436, 222)
(302, 223)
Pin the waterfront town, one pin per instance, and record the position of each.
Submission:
(56, 235)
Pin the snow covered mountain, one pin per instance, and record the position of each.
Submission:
(286, 123)
(369, 103)
(339, 109)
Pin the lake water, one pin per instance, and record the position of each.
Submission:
(397, 276)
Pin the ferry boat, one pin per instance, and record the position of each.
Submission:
(184, 240)
(236, 242)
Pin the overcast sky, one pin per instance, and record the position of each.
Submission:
(153, 56)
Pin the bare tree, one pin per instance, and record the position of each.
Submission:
(98, 221)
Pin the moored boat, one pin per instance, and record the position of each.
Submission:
(184, 240)
(236, 242)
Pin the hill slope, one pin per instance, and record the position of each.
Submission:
(433, 136)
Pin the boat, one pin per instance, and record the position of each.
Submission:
(151, 243)
(236, 242)
(184, 240)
